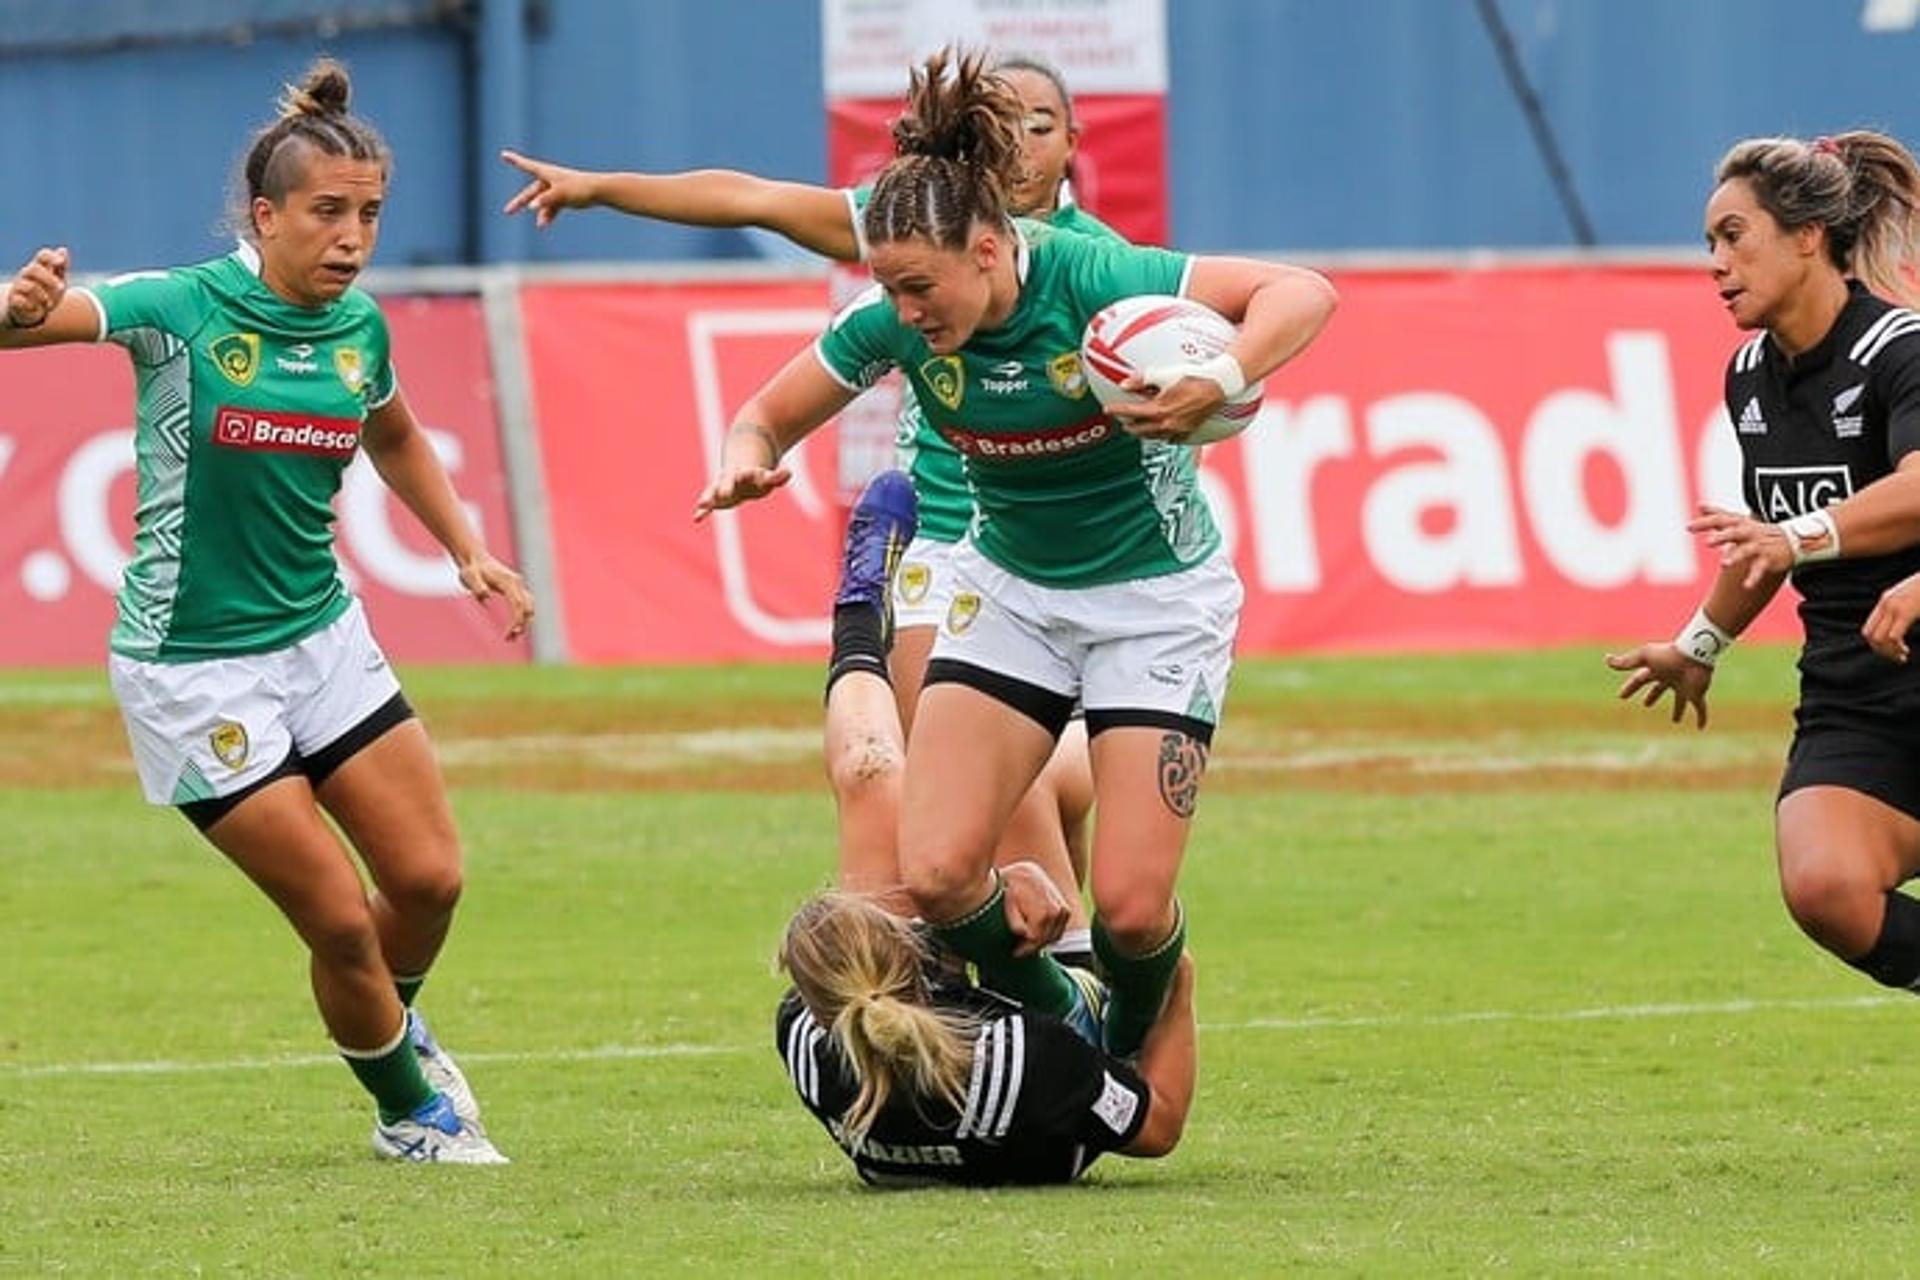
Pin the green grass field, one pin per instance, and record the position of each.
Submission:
(1493, 978)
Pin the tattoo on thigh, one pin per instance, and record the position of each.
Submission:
(1182, 762)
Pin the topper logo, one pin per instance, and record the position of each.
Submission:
(269, 432)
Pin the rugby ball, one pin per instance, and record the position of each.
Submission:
(1158, 331)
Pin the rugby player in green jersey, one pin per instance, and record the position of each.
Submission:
(254, 693)
(1050, 824)
(1093, 568)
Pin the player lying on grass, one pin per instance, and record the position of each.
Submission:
(923, 1081)
(919, 1076)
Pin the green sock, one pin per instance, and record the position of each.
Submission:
(1137, 984)
(392, 1075)
(983, 936)
(409, 987)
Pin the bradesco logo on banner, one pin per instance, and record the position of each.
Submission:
(1464, 460)
(67, 492)
(1480, 459)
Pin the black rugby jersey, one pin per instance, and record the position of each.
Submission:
(1813, 431)
(1041, 1105)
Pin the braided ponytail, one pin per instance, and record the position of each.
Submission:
(958, 155)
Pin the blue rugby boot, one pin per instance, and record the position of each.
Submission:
(883, 522)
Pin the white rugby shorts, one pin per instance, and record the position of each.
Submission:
(923, 584)
(1162, 644)
(201, 730)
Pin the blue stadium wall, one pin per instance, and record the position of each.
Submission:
(1305, 125)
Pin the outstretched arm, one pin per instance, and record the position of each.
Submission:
(402, 454)
(40, 311)
(816, 218)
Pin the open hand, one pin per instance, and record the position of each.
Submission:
(1893, 616)
(1658, 668)
(735, 485)
(484, 577)
(1741, 540)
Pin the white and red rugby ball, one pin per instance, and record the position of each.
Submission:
(1159, 331)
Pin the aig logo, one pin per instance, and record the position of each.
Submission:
(1784, 492)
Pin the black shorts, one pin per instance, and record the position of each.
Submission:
(1878, 765)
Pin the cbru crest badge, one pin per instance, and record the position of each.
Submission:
(1066, 375)
(962, 613)
(229, 743)
(237, 356)
(946, 378)
(916, 579)
(351, 368)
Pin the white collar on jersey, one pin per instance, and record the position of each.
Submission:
(1063, 198)
(1022, 255)
(249, 255)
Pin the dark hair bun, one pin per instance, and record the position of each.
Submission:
(325, 91)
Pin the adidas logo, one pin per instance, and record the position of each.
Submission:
(1751, 422)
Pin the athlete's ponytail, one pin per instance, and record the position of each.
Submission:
(958, 155)
(313, 116)
(1862, 186)
(858, 969)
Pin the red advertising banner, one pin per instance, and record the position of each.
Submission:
(67, 489)
(1119, 173)
(1486, 459)
(1466, 459)
(634, 386)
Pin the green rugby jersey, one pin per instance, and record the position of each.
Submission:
(939, 478)
(248, 410)
(1063, 496)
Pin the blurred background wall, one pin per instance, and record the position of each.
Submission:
(1297, 125)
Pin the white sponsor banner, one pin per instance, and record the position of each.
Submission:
(1100, 46)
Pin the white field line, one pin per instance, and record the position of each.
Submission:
(1501, 753)
(624, 1052)
(641, 751)
(1497, 753)
(65, 695)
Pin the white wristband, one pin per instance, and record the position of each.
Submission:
(1221, 370)
(1703, 639)
(1813, 537)
(1224, 371)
